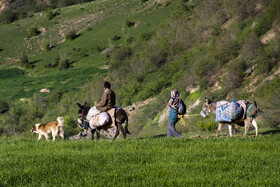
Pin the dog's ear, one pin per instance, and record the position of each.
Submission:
(79, 105)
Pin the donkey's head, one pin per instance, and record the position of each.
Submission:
(83, 111)
(207, 107)
(253, 110)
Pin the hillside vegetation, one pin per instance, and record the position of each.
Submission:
(222, 49)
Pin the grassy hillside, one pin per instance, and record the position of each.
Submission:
(146, 162)
(221, 49)
(95, 26)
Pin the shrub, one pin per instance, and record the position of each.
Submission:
(234, 78)
(56, 61)
(71, 35)
(143, 1)
(129, 24)
(4, 107)
(120, 54)
(69, 126)
(116, 38)
(46, 46)
(50, 15)
(268, 102)
(146, 36)
(33, 31)
(267, 20)
(7, 17)
(25, 61)
(207, 125)
(251, 46)
(63, 63)
(130, 40)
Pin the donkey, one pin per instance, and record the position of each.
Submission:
(251, 112)
(120, 115)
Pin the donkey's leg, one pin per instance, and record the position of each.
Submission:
(256, 126)
(246, 122)
(92, 133)
(122, 130)
(230, 130)
(219, 129)
(97, 134)
(117, 131)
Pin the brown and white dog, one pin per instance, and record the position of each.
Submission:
(54, 127)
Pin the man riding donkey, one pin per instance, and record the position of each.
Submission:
(107, 102)
(103, 116)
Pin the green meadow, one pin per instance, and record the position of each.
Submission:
(141, 162)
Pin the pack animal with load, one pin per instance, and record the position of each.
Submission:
(230, 113)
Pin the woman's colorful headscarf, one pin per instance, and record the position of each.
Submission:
(174, 101)
(174, 93)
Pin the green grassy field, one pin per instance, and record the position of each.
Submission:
(141, 162)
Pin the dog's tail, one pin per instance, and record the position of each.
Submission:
(60, 121)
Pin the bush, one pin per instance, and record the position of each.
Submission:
(49, 15)
(46, 46)
(71, 35)
(251, 46)
(234, 78)
(268, 102)
(24, 61)
(130, 40)
(129, 24)
(207, 125)
(63, 63)
(33, 31)
(120, 54)
(116, 38)
(4, 107)
(266, 21)
(146, 36)
(144, 1)
(7, 17)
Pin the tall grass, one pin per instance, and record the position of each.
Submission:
(145, 162)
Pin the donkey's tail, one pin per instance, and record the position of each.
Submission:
(126, 125)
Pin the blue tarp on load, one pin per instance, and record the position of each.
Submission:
(229, 112)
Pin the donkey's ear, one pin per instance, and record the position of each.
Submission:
(255, 103)
(86, 104)
(79, 105)
(206, 99)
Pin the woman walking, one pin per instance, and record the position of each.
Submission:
(173, 114)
